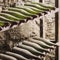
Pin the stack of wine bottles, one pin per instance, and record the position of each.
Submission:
(34, 48)
(15, 15)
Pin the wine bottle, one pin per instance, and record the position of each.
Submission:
(37, 6)
(8, 17)
(18, 56)
(43, 5)
(8, 21)
(28, 10)
(1, 23)
(20, 11)
(33, 14)
(29, 16)
(6, 57)
(24, 53)
(31, 49)
(23, 11)
(38, 10)
(35, 9)
(45, 41)
(36, 46)
(42, 44)
(16, 14)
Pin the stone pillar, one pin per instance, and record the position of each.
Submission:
(59, 30)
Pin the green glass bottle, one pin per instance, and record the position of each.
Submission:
(35, 9)
(20, 11)
(45, 41)
(36, 46)
(37, 6)
(18, 56)
(1, 24)
(43, 5)
(31, 49)
(6, 57)
(28, 10)
(16, 14)
(25, 53)
(8, 17)
(42, 44)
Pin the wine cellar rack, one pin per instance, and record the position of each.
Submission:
(26, 28)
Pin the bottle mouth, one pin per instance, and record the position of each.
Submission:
(39, 14)
(34, 16)
(13, 23)
(29, 18)
(44, 12)
(0, 28)
(21, 21)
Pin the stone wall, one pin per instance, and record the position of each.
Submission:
(50, 2)
(50, 26)
(49, 30)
